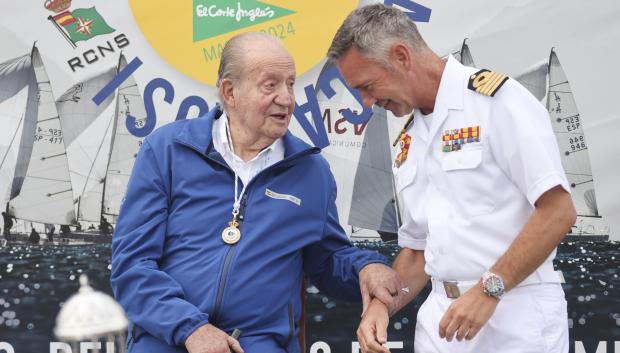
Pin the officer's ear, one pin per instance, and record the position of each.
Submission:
(400, 56)
(227, 92)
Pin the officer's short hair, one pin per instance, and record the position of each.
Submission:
(372, 30)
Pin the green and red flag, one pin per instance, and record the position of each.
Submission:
(82, 24)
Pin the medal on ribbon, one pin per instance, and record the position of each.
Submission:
(231, 234)
(404, 143)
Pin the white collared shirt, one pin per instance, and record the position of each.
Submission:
(245, 170)
(465, 207)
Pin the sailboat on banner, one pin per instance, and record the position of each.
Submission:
(463, 55)
(566, 122)
(18, 94)
(41, 187)
(547, 81)
(112, 159)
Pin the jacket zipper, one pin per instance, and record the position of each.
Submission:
(244, 200)
(227, 260)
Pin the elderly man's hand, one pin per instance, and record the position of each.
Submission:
(381, 282)
(210, 339)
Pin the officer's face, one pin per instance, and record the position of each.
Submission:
(376, 83)
(264, 99)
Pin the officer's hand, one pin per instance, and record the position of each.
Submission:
(210, 339)
(381, 282)
(372, 332)
(467, 314)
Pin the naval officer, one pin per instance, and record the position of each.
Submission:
(486, 200)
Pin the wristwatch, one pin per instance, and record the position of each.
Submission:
(493, 285)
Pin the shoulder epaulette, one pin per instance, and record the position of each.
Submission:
(486, 82)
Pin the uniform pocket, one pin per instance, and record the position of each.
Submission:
(468, 185)
(464, 159)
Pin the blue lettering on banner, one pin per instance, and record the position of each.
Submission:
(325, 85)
(192, 101)
(415, 11)
(149, 106)
(318, 136)
(116, 82)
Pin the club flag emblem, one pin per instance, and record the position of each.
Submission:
(453, 140)
(81, 24)
(404, 144)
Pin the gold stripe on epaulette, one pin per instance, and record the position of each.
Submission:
(486, 82)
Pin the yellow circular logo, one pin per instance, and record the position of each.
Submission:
(191, 36)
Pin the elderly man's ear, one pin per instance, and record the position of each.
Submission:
(227, 91)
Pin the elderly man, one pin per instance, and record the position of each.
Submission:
(485, 197)
(225, 214)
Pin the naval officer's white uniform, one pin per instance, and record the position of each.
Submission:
(465, 199)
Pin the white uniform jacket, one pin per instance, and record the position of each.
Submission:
(465, 206)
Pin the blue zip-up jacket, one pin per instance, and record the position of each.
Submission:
(171, 270)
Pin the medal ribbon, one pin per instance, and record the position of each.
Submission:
(237, 203)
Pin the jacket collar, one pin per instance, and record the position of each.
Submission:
(197, 134)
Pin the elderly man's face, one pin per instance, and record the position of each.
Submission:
(376, 84)
(265, 97)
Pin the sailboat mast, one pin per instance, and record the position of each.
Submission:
(114, 127)
(92, 166)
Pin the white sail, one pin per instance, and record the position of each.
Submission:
(77, 110)
(18, 94)
(463, 54)
(87, 133)
(345, 143)
(535, 79)
(125, 146)
(16, 78)
(45, 195)
(373, 204)
(91, 191)
(566, 123)
(466, 58)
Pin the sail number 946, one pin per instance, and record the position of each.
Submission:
(577, 143)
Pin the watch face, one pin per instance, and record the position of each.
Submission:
(494, 285)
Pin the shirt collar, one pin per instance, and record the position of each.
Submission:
(221, 131)
(450, 93)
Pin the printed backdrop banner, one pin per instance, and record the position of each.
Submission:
(86, 81)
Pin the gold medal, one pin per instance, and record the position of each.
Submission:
(231, 234)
